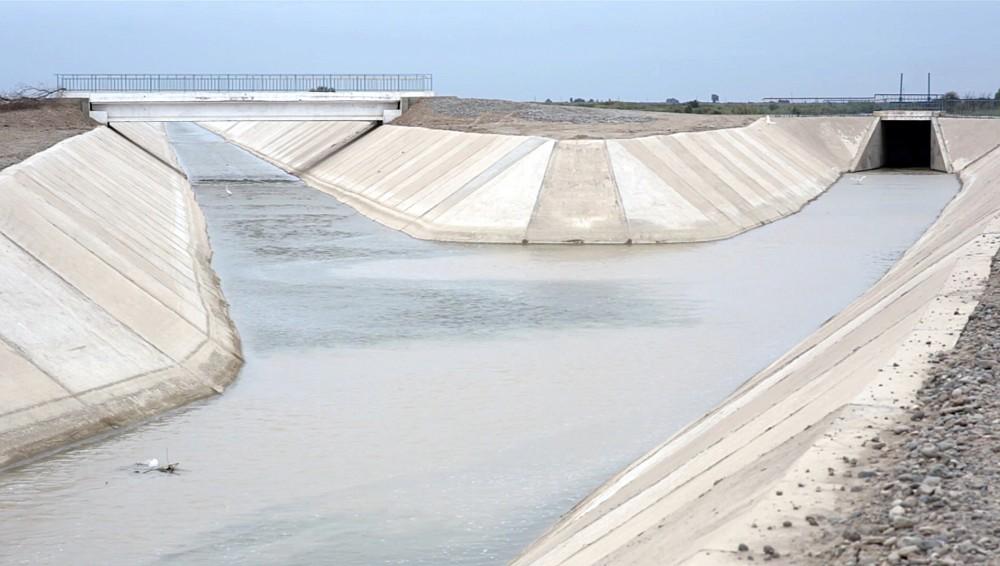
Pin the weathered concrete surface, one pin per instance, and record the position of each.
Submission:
(459, 186)
(109, 311)
(773, 450)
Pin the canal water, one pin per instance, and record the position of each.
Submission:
(412, 402)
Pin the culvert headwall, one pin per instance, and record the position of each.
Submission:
(904, 141)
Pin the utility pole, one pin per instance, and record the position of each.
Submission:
(928, 87)
(900, 87)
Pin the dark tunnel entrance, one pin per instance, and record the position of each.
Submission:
(906, 143)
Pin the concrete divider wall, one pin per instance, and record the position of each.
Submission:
(762, 456)
(109, 310)
(457, 186)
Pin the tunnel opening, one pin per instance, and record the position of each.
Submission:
(903, 144)
(906, 144)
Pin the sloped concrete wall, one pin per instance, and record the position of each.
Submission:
(761, 457)
(968, 139)
(109, 310)
(457, 186)
(293, 146)
(150, 136)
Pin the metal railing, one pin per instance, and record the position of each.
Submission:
(896, 101)
(244, 83)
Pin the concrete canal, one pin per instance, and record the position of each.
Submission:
(415, 402)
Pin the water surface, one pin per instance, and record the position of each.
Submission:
(412, 402)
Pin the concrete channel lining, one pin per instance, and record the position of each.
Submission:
(110, 310)
(455, 186)
(760, 456)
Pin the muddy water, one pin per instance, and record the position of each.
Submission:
(409, 402)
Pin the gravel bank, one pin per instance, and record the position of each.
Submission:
(27, 129)
(554, 121)
(926, 492)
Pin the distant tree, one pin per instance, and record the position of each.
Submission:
(715, 98)
(675, 101)
(772, 106)
(548, 101)
(322, 89)
(997, 95)
(950, 95)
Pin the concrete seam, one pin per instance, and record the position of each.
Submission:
(976, 160)
(124, 242)
(541, 189)
(86, 296)
(150, 153)
(618, 193)
(119, 272)
(83, 296)
(27, 357)
(77, 396)
(501, 165)
(336, 149)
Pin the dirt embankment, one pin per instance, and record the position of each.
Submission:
(554, 121)
(31, 126)
(927, 491)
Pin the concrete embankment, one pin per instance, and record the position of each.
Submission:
(460, 186)
(109, 310)
(777, 450)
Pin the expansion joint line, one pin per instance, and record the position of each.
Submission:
(149, 153)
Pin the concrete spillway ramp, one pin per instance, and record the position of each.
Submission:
(109, 311)
(458, 186)
(760, 458)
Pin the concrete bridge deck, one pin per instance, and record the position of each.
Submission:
(190, 98)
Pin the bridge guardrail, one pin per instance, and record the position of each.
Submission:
(243, 83)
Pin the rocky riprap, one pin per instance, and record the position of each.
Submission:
(929, 486)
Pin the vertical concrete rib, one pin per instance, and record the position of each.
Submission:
(578, 201)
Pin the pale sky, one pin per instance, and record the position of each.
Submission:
(522, 51)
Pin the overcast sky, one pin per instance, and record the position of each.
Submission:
(521, 51)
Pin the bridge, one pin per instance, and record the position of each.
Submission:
(234, 97)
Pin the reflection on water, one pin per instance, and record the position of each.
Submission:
(410, 402)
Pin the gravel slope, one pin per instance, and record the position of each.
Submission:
(927, 491)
